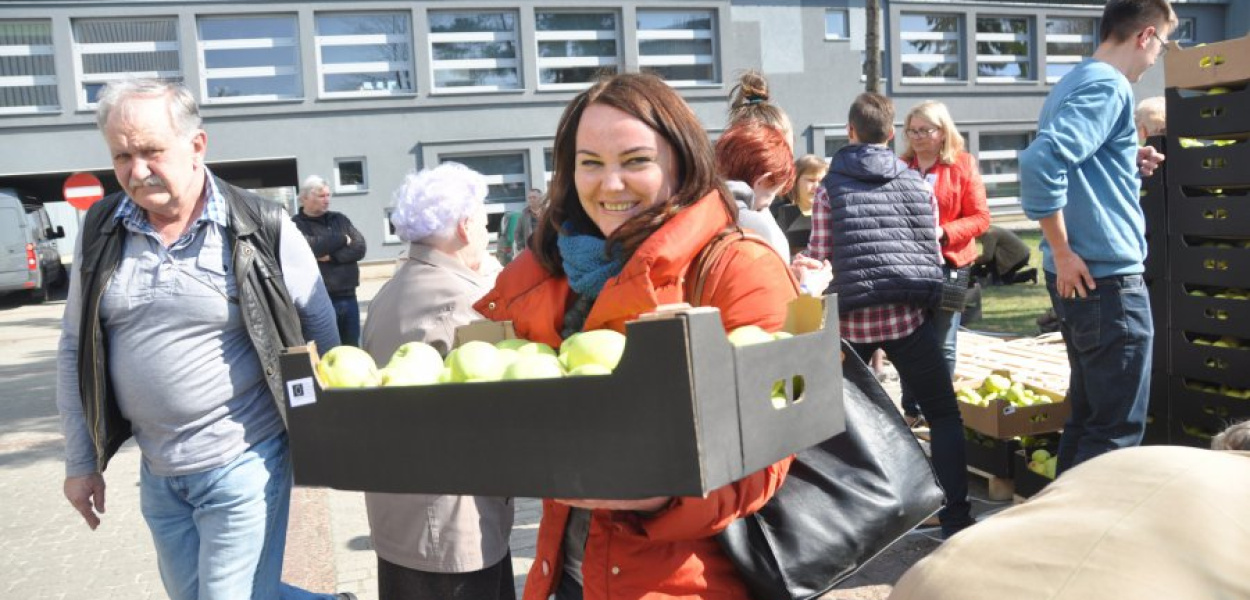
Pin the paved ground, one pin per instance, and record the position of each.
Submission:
(46, 552)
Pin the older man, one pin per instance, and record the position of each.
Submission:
(172, 329)
(338, 247)
(437, 547)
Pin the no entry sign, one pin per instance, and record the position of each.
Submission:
(82, 190)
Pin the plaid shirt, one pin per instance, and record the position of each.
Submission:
(870, 324)
(136, 219)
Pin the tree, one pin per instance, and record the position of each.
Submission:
(872, 47)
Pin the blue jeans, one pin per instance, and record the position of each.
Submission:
(947, 324)
(1109, 336)
(347, 315)
(921, 367)
(220, 534)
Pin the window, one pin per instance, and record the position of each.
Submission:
(349, 175)
(474, 51)
(110, 49)
(1185, 30)
(833, 144)
(549, 166)
(505, 174)
(1003, 49)
(575, 48)
(1000, 169)
(931, 47)
(837, 25)
(364, 54)
(679, 46)
(250, 58)
(388, 229)
(1068, 41)
(27, 68)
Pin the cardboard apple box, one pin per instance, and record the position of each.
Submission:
(685, 412)
(999, 419)
(1196, 67)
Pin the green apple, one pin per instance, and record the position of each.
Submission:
(476, 361)
(445, 376)
(399, 376)
(602, 347)
(506, 356)
(418, 361)
(1227, 341)
(511, 343)
(589, 369)
(995, 383)
(348, 367)
(536, 348)
(533, 366)
(1190, 143)
(749, 334)
(1040, 455)
(1052, 463)
(1215, 91)
(782, 335)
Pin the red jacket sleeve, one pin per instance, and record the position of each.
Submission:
(751, 286)
(974, 214)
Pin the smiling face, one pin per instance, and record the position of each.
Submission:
(622, 167)
(161, 170)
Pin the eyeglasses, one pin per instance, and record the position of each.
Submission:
(1163, 45)
(920, 133)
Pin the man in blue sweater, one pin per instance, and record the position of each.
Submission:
(1079, 179)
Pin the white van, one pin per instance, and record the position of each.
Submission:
(29, 261)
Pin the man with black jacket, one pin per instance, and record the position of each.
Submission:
(338, 247)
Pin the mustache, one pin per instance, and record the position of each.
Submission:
(149, 181)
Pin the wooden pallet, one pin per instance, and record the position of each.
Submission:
(1040, 361)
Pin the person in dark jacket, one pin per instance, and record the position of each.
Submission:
(184, 291)
(875, 218)
(338, 247)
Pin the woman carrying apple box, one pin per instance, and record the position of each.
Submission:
(634, 199)
(437, 547)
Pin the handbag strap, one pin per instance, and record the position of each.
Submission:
(711, 253)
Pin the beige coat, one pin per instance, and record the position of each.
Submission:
(1151, 522)
(430, 295)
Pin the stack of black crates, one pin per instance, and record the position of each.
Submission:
(1198, 224)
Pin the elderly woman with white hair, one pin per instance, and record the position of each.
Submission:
(437, 546)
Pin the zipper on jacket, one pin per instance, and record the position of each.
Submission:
(98, 399)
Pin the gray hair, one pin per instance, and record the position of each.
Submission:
(183, 111)
(312, 184)
(430, 203)
(1236, 437)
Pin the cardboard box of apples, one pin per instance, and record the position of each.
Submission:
(673, 407)
(1001, 408)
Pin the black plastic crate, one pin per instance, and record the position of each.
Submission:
(1208, 260)
(1157, 289)
(1207, 405)
(1202, 114)
(1207, 362)
(990, 455)
(1208, 210)
(1201, 309)
(1028, 483)
(1208, 165)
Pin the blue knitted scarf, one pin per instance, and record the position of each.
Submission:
(586, 262)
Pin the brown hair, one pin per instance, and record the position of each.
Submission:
(647, 98)
(749, 101)
(749, 149)
(1122, 19)
(808, 163)
(872, 116)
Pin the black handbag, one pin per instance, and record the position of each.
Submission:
(956, 281)
(844, 500)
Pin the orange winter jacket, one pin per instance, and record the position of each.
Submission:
(672, 554)
(962, 212)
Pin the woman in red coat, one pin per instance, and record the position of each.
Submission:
(634, 199)
(936, 149)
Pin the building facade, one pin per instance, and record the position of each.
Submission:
(363, 91)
